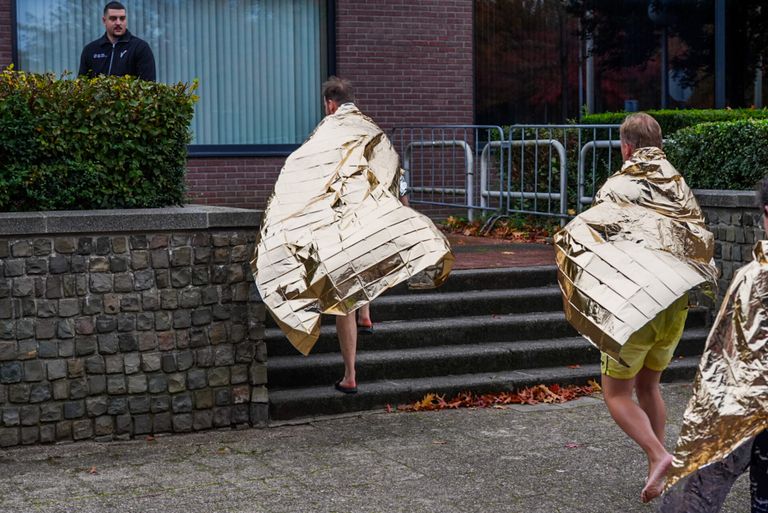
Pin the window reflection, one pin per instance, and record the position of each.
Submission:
(546, 61)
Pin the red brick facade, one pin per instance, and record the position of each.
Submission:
(410, 61)
(232, 182)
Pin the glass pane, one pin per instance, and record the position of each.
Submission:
(259, 62)
(526, 62)
(532, 65)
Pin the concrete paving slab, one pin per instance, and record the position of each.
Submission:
(571, 458)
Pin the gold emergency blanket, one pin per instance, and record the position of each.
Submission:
(334, 234)
(641, 246)
(730, 393)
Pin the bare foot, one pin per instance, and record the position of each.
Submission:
(655, 483)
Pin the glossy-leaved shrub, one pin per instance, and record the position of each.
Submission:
(731, 155)
(672, 120)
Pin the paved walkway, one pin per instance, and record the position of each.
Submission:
(487, 253)
(524, 459)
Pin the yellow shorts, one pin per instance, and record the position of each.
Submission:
(652, 345)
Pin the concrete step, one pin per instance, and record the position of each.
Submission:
(316, 370)
(436, 332)
(444, 331)
(325, 400)
(455, 304)
(485, 279)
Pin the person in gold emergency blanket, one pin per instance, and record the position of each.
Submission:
(625, 267)
(725, 426)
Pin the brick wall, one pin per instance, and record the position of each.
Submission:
(232, 182)
(5, 33)
(411, 61)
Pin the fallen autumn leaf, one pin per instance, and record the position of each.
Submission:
(532, 395)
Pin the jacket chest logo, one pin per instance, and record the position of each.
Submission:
(123, 53)
(99, 55)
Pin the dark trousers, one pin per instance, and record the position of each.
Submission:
(705, 490)
(758, 473)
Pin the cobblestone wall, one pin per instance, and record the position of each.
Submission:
(737, 224)
(128, 333)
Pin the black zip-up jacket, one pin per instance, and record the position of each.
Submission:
(128, 56)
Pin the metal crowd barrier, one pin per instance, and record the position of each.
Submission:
(541, 170)
(440, 165)
(469, 166)
(520, 193)
(591, 146)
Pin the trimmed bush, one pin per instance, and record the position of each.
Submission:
(673, 120)
(730, 155)
(106, 142)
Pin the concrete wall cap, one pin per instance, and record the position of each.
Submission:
(725, 199)
(188, 217)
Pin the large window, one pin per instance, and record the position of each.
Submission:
(259, 62)
(545, 61)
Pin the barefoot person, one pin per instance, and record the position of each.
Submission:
(625, 267)
(725, 426)
(335, 235)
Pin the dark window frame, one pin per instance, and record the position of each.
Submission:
(227, 150)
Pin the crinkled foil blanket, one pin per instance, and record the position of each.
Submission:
(642, 245)
(730, 394)
(335, 235)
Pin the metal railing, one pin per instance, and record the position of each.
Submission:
(469, 166)
(591, 146)
(440, 164)
(519, 192)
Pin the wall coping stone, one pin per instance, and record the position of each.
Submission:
(188, 217)
(725, 199)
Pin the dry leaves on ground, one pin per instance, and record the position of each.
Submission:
(539, 394)
(509, 229)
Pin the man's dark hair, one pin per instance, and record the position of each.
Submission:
(113, 5)
(338, 90)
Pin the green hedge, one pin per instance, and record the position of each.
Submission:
(673, 120)
(731, 155)
(106, 142)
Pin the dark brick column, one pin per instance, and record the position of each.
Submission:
(5, 33)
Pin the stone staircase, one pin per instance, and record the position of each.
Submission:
(485, 330)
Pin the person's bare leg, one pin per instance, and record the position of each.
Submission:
(346, 330)
(364, 315)
(649, 396)
(633, 420)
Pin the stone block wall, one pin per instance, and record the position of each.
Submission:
(117, 324)
(736, 223)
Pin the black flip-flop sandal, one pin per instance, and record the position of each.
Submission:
(343, 389)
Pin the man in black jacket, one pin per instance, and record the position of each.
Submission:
(117, 52)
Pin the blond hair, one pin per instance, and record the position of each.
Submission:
(640, 130)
